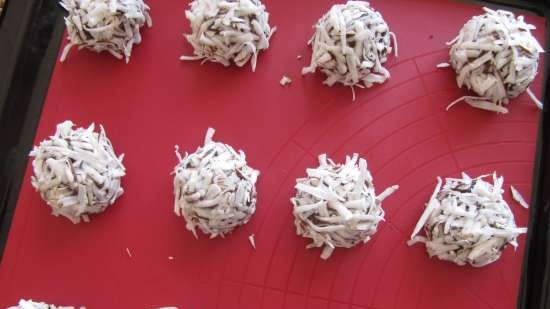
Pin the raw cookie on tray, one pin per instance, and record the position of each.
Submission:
(336, 205)
(77, 172)
(214, 188)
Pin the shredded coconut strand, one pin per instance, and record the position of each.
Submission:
(285, 80)
(105, 25)
(128, 252)
(77, 172)
(252, 241)
(29, 304)
(495, 56)
(227, 31)
(336, 205)
(350, 44)
(214, 188)
(519, 198)
(467, 221)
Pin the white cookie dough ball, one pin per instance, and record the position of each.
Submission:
(228, 31)
(105, 25)
(467, 221)
(350, 44)
(495, 56)
(336, 206)
(215, 189)
(29, 304)
(77, 172)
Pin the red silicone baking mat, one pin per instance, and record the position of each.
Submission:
(156, 101)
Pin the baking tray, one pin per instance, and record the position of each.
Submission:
(156, 102)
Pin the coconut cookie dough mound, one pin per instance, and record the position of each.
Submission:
(228, 31)
(29, 304)
(105, 25)
(467, 221)
(350, 44)
(215, 190)
(77, 172)
(336, 206)
(495, 56)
